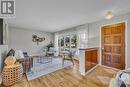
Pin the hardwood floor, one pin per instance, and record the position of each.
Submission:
(70, 77)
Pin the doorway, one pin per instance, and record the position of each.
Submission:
(113, 45)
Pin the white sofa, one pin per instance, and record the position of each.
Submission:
(113, 83)
(124, 76)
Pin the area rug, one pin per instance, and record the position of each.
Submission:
(40, 69)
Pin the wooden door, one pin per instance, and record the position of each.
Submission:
(113, 45)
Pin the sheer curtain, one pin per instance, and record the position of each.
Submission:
(56, 43)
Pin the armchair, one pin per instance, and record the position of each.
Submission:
(26, 61)
(51, 51)
(68, 55)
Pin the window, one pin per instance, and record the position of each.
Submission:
(62, 44)
(59, 43)
(74, 41)
(67, 42)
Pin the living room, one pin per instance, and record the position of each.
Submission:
(81, 43)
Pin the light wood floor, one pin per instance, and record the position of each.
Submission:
(70, 77)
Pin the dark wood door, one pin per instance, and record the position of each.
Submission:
(113, 45)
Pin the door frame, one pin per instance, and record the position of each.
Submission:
(112, 23)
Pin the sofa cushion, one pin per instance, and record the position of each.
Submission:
(19, 54)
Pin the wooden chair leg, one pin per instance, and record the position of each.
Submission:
(72, 61)
(63, 60)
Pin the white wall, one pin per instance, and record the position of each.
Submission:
(3, 53)
(21, 39)
(74, 30)
(95, 38)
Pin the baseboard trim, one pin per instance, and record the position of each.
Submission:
(92, 69)
(110, 67)
(89, 71)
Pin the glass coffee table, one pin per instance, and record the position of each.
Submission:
(43, 59)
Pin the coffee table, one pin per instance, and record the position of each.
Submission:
(43, 59)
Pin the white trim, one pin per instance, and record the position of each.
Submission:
(125, 21)
(92, 69)
(126, 39)
(89, 71)
(110, 67)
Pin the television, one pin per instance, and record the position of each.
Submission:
(1, 31)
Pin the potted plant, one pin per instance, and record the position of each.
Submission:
(49, 45)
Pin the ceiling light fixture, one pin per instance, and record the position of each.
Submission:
(109, 15)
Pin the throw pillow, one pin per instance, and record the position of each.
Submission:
(19, 54)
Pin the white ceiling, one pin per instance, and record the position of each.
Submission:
(56, 15)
